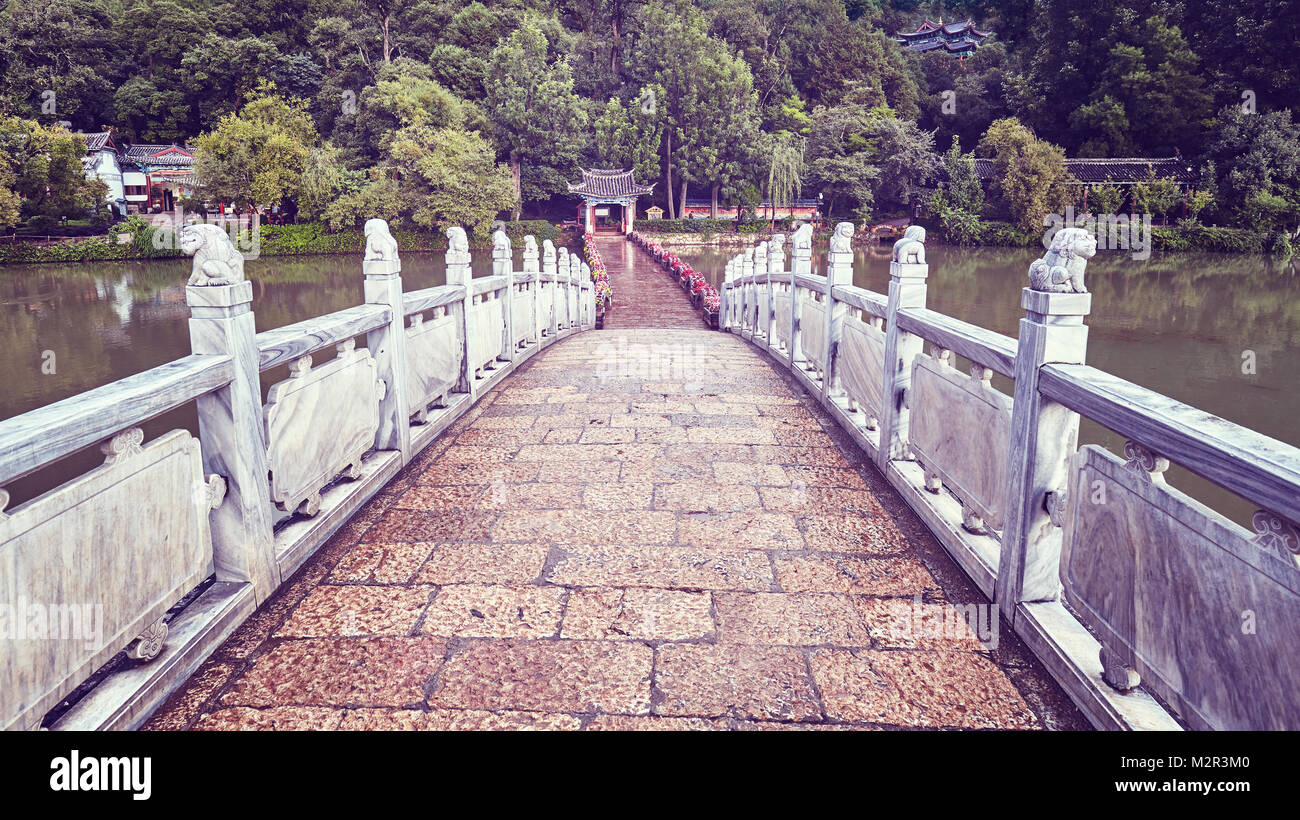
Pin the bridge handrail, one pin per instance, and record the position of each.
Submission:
(40, 437)
(993, 350)
(282, 345)
(873, 303)
(487, 284)
(417, 301)
(1243, 461)
(266, 482)
(1022, 508)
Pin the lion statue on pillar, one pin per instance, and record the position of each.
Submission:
(216, 259)
(842, 238)
(1061, 269)
(910, 250)
(380, 244)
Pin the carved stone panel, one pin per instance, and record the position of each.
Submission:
(88, 567)
(486, 331)
(761, 327)
(1204, 614)
(522, 313)
(319, 423)
(812, 330)
(861, 365)
(781, 303)
(546, 305)
(433, 358)
(961, 432)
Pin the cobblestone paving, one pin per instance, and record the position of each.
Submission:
(641, 529)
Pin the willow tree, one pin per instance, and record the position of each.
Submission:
(784, 172)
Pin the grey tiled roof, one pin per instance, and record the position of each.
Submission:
(99, 141)
(1120, 169)
(146, 154)
(607, 183)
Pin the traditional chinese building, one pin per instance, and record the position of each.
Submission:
(603, 190)
(1121, 172)
(797, 209)
(102, 161)
(166, 173)
(957, 39)
(1117, 171)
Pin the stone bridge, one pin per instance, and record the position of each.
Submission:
(493, 516)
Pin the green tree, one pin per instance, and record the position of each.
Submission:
(540, 124)
(1156, 195)
(785, 171)
(708, 104)
(842, 162)
(257, 157)
(449, 177)
(628, 136)
(962, 188)
(41, 173)
(324, 180)
(1105, 199)
(1030, 178)
(1253, 155)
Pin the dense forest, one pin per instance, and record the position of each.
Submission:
(438, 112)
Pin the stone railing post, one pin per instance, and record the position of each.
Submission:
(839, 272)
(907, 287)
(728, 299)
(503, 265)
(775, 266)
(232, 434)
(761, 291)
(738, 293)
(387, 344)
(548, 267)
(531, 266)
(1044, 436)
(459, 273)
(562, 290)
(800, 265)
(751, 291)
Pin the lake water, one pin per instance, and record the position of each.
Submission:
(1177, 323)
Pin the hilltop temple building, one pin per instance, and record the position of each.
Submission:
(957, 39)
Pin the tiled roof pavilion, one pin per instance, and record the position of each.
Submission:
(602, 183)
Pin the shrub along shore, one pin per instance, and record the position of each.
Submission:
(276, 240)
(991, 233)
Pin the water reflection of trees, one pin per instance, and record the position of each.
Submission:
(108, 320)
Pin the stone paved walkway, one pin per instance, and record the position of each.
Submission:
(640, 529)
(645, 295)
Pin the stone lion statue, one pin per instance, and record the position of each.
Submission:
(216, 259)
(911, 248)
(842, 238)
(380, 243)
(803, 235)
(548, 250)
(530, 244)
(1061, 269)
(500, 240)
(457, 240)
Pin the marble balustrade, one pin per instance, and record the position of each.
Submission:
(262, 486)
(1098, 590)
